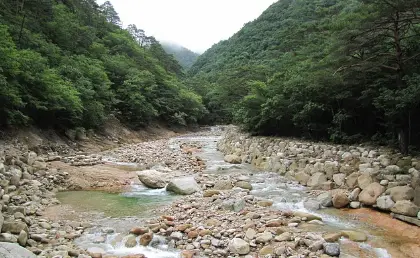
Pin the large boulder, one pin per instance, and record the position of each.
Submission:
(417, 196)
(351, 180)
(369, 195)
(317, 180)
(14, 227)
(364, 180)
(153, 178)
(9, 250)
(233, 159)
(302, 178)
(405, 207)
(339, 179)
(385, 203)
(325, 199)
(239, 246)
(183, 185)
(340, 199)
(400, 193)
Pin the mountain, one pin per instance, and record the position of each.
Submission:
(338, 70)
(68, 64)
(184, 56)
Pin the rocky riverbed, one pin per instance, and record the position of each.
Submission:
(176, 198)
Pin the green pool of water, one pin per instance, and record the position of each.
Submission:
(113, 205)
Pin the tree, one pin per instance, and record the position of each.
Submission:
(383, 42)
(138, 34)
(109, 12)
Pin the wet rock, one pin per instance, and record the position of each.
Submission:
(369, 195)
(332, 237)
(233, 159)
(325, 199)
(400, 193)
(9, 250)
(411, 220)
(354, 235)
(145, 239)
(306, 215)
(312, 204)
(139, 231)
(385, 203)
(239, 246)
(131, 241)
(405, 207)
(332, 249)
(153, 178)
(340, 199)
(183, 185)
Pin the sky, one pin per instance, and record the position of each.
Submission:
(194, 24)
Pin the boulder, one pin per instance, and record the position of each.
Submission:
(233, 159)
(146, 239)
(385, 203)
(355, 205)
(153, 178)
(339, 179)
(14, 227)
(417, 196)
(183, 185)
(369, 195)
(351, 180)
(340, 199)
(332, 249)
(312, 204)
(400, 193)
(354, 195)
(325, 199)
(405, 207)
(411, 220)
(392, 170)
(9, 250)
(131, 241)
(302, 178)
(317, 180)
(239, 246)
(354, 235)
(364, 180)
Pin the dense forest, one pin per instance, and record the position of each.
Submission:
(339, 70)
(69, 63)
(185, 57)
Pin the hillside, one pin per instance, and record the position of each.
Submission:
(68, 64)
(184, 56)
(336, 70)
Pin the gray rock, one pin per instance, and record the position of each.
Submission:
(7, 237)
(411, 220)
(392, 170)
(369, 195)
(339, 179)
(385, 203)
(238, 205)
(354, 195)
(244, 185)
(233, 159)
(400, 193)
(131, 241)
(239, 246)
(351, 180)
(176, 236)
(312, 204)
(183, 185)
(14, 227)
(332, 249)
(417, 196)
(223, 185)
(325, 199)
(302, 178)
(23, 238)
(364, 180)
(355, 205)
(153, 178)
(9, 250)
(317, 180)
(405, 208)
(264, 237)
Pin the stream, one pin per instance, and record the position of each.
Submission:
(120, 212)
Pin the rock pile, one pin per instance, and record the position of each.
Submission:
(27, 187)
(83, 159)
(375, 177)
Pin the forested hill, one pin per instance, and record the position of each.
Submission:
(184, 56)
(69, 63)
(340, 70)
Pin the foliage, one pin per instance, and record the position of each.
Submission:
(343, 70)
(68, 64)
(184, 56)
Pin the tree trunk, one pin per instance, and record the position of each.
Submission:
(403, 140)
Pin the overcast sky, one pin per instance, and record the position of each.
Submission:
(195, 24)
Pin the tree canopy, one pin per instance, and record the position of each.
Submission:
(340, 70)
(69, 63)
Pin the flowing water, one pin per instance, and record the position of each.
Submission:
(123, 211)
